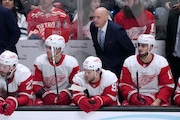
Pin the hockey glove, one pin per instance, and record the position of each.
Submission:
(63, 98)
(136, 100)
(85, 105)
(148, 101)
(177, 100)
(38, 102)
(49, 98)
(10, 105)
(1, 105)
(96, 102)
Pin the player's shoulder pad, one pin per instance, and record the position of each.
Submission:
(71, 60)
(160, 60)
(108, 77)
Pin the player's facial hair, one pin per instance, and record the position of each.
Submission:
(144, 55)
(134, 11)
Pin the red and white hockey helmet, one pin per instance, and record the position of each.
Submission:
(55, 41)
(92, 63)
(9, 58)
(146, 39)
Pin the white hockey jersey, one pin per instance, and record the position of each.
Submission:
(155, 78)
(45, 74)
(19, 84)
(106, 86)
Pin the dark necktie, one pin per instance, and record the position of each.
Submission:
(101, 39)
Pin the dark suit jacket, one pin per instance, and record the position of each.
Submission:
(117, 46)
(170, 43)
(9, 30)
(171, 32)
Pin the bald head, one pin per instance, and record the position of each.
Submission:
(100, 17)
(102, 10)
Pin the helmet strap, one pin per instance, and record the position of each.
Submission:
(95, 73)
(11, 71)
(149, 50)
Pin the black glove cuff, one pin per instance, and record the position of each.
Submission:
(40, 92)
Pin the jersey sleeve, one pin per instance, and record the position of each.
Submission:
(151, 27)
(25, 91)
(75, 68)
(25, 86)
(38, 78)
(32, 23)
(166, 82)
(109, 95)
(77, 95)
(126, 83)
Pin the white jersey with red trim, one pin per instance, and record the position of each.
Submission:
(45, 74)
(145, 24)
(106, 86)
(155, 78)
(19, 84)
(44, 24)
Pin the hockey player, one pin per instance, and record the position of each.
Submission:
(146, 78)
(53, 73)
(15, 83)
(101, 86)
(47, 20)
(135, 19)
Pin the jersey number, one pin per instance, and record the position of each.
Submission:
(114, 87)
(29, 85)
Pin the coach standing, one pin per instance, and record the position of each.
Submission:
(9, 31)
(110, 40)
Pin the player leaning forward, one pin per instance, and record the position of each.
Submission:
(15, 83)
(146, 78)
(53, 73)
(101, 86)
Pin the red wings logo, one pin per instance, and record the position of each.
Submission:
(51, 81)
(144, 80)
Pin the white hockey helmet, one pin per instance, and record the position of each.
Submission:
(146, 39)
(9, 58)
(55, 41)
(92, 63)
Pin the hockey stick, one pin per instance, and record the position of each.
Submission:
(80, 89)
(7, 91)
(137, 81)
(54, 65)
(7, 88)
